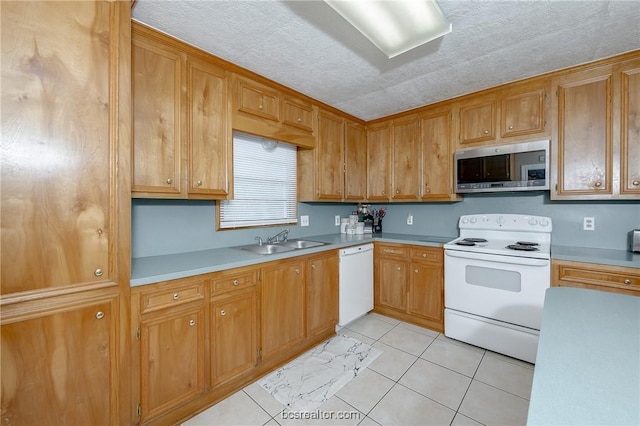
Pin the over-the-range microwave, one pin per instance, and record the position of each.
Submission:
(516, 167)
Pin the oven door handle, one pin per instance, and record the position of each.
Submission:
(497, 258)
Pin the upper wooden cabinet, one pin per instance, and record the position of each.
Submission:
(436, 156)
(378, 161)
(478, 121)
(405, 164)
(182, 134)
(330, 157)
(355, 161)
(263, 109)
(522, 114)
(596, 143)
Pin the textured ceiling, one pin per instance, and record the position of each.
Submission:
(307, 46)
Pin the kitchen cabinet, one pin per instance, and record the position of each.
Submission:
(616, 279)
(171, 330)
(522, 113)
(321, 292)
(355, 161)
(378, 161)
(478, 120)
(437, 159)
(405, 164)
(255, 99)
(182, 138)
(330, 157)
(630, 128)
(65, 239)
(409, 283)
(234, 323)
(297, 114)
(282, 312)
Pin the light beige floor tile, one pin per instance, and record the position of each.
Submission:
(491, 406)
(368, 421)
(402, 406)
(407, 340)
(418, 329)
(438, 383)
(359, 337)
(238, 409)
(334, 411)
(506, 376)
(366, 390)
(370, 327)
(384, 318)
(392, 363)
(454, 357)
(264, 399)
(444, 338)
(460, 420)
(515, 361)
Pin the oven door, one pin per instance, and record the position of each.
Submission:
(504, 288)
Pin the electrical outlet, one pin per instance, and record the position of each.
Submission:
(337, 220)
(304, 220)
(409, 219)
(588, 224)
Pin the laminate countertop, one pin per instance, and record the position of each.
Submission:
(588, 363)
(596, 255)
(154, 269)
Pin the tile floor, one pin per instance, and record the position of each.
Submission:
(421, 378)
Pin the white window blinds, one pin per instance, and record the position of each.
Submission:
(264, 183)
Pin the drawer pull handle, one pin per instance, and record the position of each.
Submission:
(223, 313)
(627, 281)
(192, 323)
(99, 315)
(175, 296)
(236, 282)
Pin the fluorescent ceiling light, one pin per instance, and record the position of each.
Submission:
(394, 26)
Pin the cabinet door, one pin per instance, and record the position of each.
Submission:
(523, 114)
(233, 339)
(59, 146)
(378, 167)
(355, 162)
(282, 307)
(630, 128)
(392, 283)
(158, 108)
(405, 174)
(330, 157)
(209, 141)
(298, 114)
(478, 122)
(257, 99)
(322, 292)
(59, 368)
(426, 291)
(584, 134)
(436, 157)
(172, 359)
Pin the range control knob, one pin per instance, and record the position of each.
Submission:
(474, 219)
(544, 222)
(465, 220)
(533, 221)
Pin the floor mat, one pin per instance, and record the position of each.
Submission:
(312, 378)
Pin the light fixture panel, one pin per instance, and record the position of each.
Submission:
(395, 26)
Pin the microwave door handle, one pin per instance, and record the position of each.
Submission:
(497, 258)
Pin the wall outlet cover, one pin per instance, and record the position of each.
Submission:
(337, 220)
(588, 224)
(304, 220)
(410, 219)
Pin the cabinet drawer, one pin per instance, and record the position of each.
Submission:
(587, 275)
(167, 298)
(233, 280)
(395, 251)
(297, 114)
(426, 254)
(258, 100)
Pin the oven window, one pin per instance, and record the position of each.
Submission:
(499, 279)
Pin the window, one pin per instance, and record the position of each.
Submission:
(264, 184)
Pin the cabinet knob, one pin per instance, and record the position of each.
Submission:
(297, 270)
(415, 270)
(392, 251)
(98, 272)
(192, 323)
(397, 268)
(424, 254)
(199, 183)
(299, 120)
(313, 266)
(260, 107)
(627, 281)
(99, 315)
(397, 191)
(169, 181)
(236, 282)
(176, 296)
(510, 127)
(598, 184)
(635, 182)
(486, 132)
(223, 313)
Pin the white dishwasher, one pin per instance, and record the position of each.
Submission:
(356, 282)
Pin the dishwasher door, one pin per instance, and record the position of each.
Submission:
(356, 282)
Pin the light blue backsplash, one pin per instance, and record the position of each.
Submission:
(177, 226)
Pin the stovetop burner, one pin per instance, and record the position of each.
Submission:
(465, 243)
(475, 240)
(526, 243)
(522, 247)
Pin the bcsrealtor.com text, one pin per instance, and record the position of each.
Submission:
(320, 415)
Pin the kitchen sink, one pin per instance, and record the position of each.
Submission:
(267, 248)
(301, 244)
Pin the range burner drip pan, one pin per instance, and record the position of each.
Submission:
(465, 243)
(474, 240)
(526, 243)
(522, 247)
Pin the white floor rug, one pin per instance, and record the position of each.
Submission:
(313, 377)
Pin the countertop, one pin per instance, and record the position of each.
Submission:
(588, 363)
(154, 269)
(596, 255)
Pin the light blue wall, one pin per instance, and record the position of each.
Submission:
(175, 226)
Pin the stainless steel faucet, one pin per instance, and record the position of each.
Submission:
(276, 238)
(259, 240)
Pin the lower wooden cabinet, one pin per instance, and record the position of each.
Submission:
(409, 283)
(321, 292)
(616, 279)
